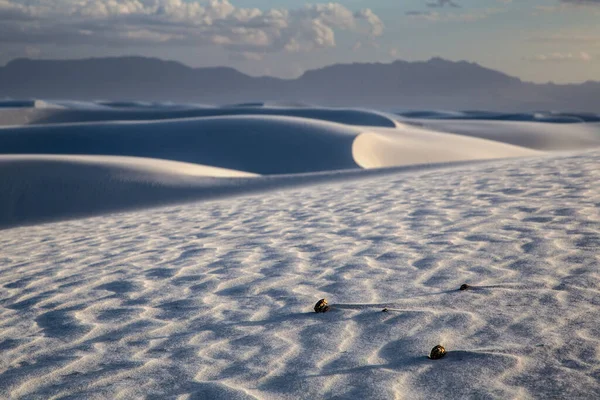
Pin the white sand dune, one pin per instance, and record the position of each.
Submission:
(84, 169)
(533, 135)
(409, 145)
(256, 144)
(43, 188)
(124, 165)
(39, 188)
(123, 111)
(214, 300)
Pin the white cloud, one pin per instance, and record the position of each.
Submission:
(373, 20)
(435, 16)
(425, 15)
(146, 35)
(248, 31)
(588, 38)
(247, 56)
(442, 3)
(561, 57)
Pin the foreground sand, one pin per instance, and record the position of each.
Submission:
(213, 300)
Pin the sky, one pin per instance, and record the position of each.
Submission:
(535, 40)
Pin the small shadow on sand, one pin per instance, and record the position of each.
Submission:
(476, 288)
(404, 363)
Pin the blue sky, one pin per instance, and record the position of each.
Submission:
(536, 40)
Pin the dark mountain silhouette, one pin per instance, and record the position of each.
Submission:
(436, 83)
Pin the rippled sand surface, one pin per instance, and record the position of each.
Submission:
(214, 300)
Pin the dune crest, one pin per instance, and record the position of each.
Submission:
(126, 165)
(94, 162)
(533, 135)
(411, 145)
(257, 144)
(38, 188)
(64, 112)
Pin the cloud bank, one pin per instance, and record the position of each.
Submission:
(248, 32)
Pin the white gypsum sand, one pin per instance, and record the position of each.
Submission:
(409, 145)
(94, 112)
(241, 217)
(82, 170)
(533, 135)
(215, 300)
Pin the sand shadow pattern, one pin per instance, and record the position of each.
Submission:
(84, 318)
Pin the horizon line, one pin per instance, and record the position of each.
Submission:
(304, 72)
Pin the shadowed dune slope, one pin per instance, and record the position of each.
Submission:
(44, 188)
(95, 112)
(150, 167)
(256, 144)
(37, 188)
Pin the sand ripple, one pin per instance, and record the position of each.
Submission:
(214, 300)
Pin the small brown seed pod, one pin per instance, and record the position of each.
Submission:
(437, 352)
(464, 286)
(321, 306)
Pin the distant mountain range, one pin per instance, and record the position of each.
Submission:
(432, 84)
